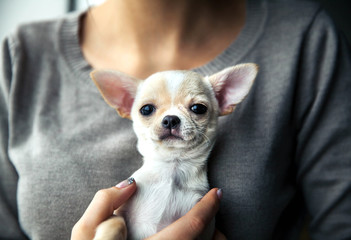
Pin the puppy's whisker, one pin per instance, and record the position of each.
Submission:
(207, 140)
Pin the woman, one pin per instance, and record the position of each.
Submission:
(282, 155)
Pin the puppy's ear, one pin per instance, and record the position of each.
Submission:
(118, 89)
(232, 84)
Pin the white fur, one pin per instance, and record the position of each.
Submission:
(174, 81)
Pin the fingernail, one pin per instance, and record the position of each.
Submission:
(219, 194)
(125, 183)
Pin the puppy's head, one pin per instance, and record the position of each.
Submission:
(175, 110)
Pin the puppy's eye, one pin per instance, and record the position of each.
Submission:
(147, 110)
(198, 108)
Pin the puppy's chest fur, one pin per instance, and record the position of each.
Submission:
(165, 193)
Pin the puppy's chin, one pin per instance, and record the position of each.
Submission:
(177, 140)
(168, 140)
(168, 137)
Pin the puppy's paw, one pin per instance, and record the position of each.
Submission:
(113, 228)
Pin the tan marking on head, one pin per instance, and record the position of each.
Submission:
(195, 90)
(153, 91)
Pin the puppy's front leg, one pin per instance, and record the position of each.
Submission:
(113, 228)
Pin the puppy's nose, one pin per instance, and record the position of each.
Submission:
(170, 122)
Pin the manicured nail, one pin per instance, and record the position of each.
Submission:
(125, 183)
(219, 194)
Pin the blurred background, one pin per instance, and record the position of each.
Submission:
(14, 12)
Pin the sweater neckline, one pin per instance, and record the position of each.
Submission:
(252, 30)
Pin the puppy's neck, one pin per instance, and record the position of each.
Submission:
(180, 168)
(159, 155)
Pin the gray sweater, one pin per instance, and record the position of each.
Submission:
(285, 153)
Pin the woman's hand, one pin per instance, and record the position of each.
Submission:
(106, 201)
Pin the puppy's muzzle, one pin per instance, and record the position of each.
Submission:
(170, 122)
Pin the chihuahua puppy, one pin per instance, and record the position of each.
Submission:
(174, 116)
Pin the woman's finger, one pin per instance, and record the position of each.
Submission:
(218, 235)
(102, 207)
